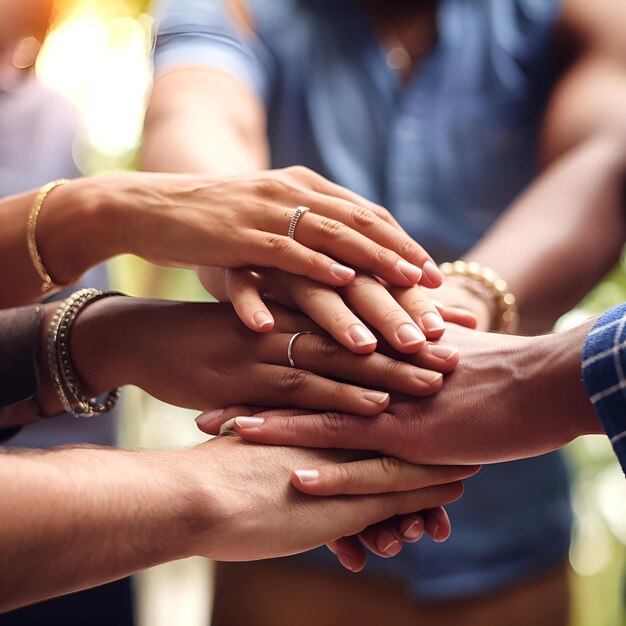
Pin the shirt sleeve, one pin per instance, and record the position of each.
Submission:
(202, 32)
(604, 374)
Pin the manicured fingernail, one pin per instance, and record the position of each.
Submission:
(378, 397)
(442, 352)
(436, 536)
(409, 271)
(361, 336)
(263, 319)
(307, 475)
(345, 560)
(249, 422)
(410, 335)
(342, 272)
(432, 271)
(228, 427)
(427, 376)
(433, 322)
(386, 542)
(206, 418)
(415, 531)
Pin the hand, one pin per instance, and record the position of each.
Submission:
(510, 397)
(404, 316)
(193, 220)
(253, 514)
(200, 356)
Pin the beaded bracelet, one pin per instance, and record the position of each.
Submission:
(31, 234)
(491, 288)
(62, 372)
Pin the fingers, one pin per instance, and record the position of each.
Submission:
(349, 553)
(326, 357)
(210, 422)
(373, 302)
(281, 252)
(371, 223)
(243, 291)
(418, 305)
(324, 430)
(327, 309)
(438, 524)
(289, 387)
(456, 315)
(379, 475)
(335, 239)
(383, 539)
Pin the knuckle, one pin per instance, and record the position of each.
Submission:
(333, 424)
(324, 348)
(390, 467)
(275, 244)
(330, 229)
(408, 247)
(391, 315)
(362, 280)
(362, 217)
(300, 171)
(383, 256)
(317, 291)
(292, 381)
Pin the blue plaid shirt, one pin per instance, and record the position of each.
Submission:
(604, 364)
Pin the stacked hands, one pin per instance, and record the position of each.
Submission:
(373, 331)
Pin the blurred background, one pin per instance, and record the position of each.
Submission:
(98, 55)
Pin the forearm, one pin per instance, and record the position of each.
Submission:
(204, 121)
(566, 232)
(77, 518)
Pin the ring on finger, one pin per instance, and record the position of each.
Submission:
(290, 346)
(299, 212)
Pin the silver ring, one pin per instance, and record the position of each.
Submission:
(299, 212)
(290, 346)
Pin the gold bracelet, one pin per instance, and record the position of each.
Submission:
(46, 282)
(493, 287)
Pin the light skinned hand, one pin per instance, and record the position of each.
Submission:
(404, 317)
(194, 220)
(261, 516)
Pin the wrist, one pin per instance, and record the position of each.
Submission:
(552, 389)
(73, 231)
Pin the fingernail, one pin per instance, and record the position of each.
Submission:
(249, 422)
(427, 376)
(342, 272)
(410, 335)
(227, 427)
(379, 397)
(386, 542)
(206, 418)
(442, 352)
(345, 560)
(433, 322)
(415, 531)
(432, 271)
(361, 336)
(307, 475)
(263, 319)
(409, 271)
(436, 534)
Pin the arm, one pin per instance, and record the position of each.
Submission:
(204, 120)
(567, 229)
(520, 397)
(80, 517)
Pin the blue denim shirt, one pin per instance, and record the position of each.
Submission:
(445, 154)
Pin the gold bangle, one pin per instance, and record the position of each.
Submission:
(46, 282)
(494, 287)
